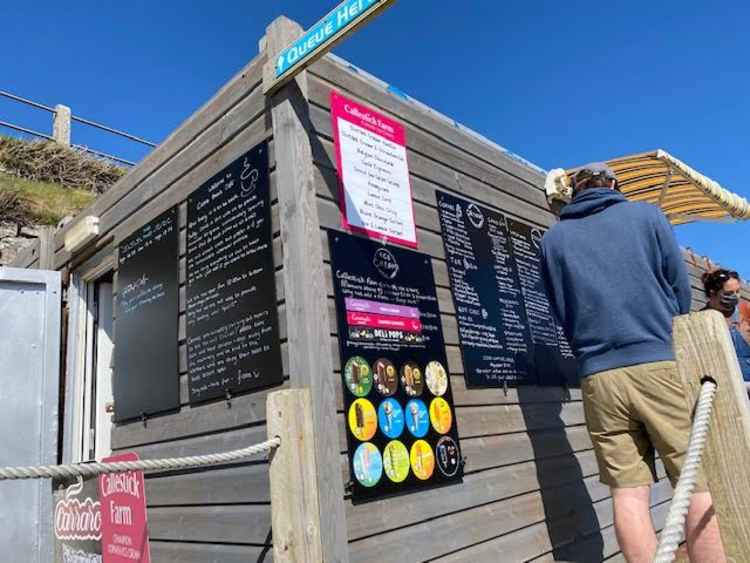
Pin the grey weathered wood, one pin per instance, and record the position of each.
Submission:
(305, 291)
(295, 510)
(170, 185)
(491, 532)
(200, 419)
(222, 441)
(246, 483)
(179, 552)
(353, 83)
(435, 148)
(493, 485)
(27, 255)
(241, 85)
(703, 348)
(46, 248)
(240, 524)
(448, 179)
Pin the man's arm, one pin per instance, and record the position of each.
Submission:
(673, 264)
(556, 302)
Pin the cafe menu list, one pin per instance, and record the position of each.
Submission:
(146, 354)
(507, 331)
(232, 323)
(398, 404)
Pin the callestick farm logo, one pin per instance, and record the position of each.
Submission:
(385, 263)
(76, 520)
(475, 215)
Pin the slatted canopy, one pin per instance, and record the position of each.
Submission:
(657, 177)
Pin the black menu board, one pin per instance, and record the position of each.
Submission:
(146, 354)
(400, 421)
(552, 356)
(492, 325)
(507, 331)
(232, 323)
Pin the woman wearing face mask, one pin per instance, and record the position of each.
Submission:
(722, 288)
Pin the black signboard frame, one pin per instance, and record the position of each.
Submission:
(146, 364)
(385, 284)
(495, 277)
(232, 325)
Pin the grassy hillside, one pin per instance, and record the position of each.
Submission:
(41, 182)
(27, 201)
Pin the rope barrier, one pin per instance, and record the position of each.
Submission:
(674, 528)
(74, 470)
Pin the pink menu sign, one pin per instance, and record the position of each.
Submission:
(375, 194)
(123, 512)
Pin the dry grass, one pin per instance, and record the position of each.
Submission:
(26, 202)
(48, 162)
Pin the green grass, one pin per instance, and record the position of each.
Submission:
(47, 203)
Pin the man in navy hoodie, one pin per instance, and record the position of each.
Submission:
(615, 278)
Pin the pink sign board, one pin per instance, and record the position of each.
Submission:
(375, 194)
(123, 513)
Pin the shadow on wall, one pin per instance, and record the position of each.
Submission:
(572, 523)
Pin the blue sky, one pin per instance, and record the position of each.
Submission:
(560, 83)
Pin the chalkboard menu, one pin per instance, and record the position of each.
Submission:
(552, 356)
(507, 331)
(232, 323)
(398, 404)
(146, 369)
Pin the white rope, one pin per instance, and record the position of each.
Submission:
(93, 469)
(674, 528)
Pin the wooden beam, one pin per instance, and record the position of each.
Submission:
(704, 348)
(295, 513)
(310, 361)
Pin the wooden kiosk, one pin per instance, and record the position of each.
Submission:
(529, 488)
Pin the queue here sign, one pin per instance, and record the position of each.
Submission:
(321, 37)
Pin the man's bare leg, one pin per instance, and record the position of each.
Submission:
(633, 526)
(703, 539)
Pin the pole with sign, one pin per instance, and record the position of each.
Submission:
(319, 39)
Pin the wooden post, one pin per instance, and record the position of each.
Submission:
(61, 125)
(295, 513)
(46, 248)
(704, 348)
(309, 341)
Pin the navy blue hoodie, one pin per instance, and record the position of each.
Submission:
(615, 277)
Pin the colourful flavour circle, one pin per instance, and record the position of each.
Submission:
(396, 461)
(422, 460)
(440, 415)
(385, 377)
(417, 418)
(437, 379)
(363, 422)
(447, 456)
(391, 418)
(358, 376)
(412, 379)
(368, 465)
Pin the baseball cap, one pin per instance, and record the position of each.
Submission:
(594, 169)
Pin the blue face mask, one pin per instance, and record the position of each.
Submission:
(729, 301)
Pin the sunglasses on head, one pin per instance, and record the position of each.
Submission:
(724, 275)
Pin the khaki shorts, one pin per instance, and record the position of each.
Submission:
(632, 411)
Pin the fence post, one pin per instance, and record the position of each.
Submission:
(305, 290)
(704, 348)
(61, 125)
(295, 516)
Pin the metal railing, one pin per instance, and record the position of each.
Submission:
(61, 125)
